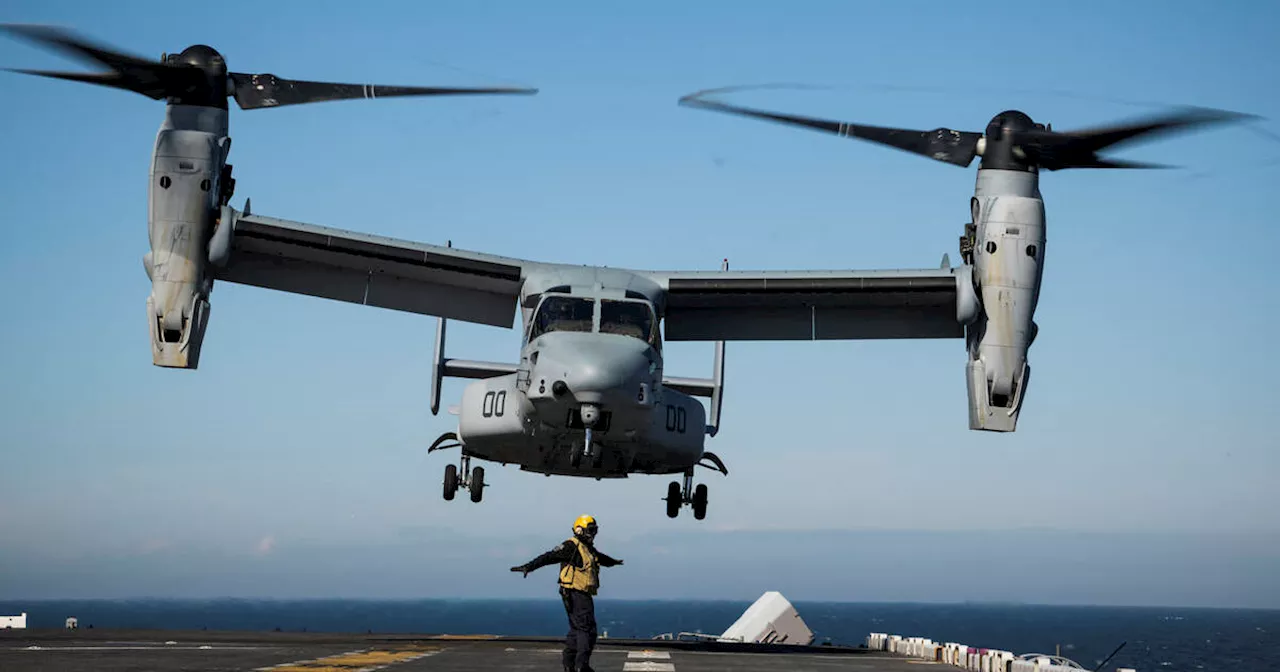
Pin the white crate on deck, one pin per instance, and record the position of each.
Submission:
(770, 620)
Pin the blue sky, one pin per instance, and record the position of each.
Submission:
(1151, 408)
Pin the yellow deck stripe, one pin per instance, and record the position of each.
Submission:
(354, 661)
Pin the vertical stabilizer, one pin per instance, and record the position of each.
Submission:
(717, 380)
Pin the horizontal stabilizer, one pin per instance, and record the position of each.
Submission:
(462, 368)
(694, 387)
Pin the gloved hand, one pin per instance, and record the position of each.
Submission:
(522, 569)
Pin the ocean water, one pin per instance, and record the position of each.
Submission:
(1161, 639)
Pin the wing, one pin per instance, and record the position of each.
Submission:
(372, 270)
(817, 305)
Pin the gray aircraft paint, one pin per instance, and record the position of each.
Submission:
(588, 403)
(1007, 255)
(190, 179)
(1005, 240)
(186, 190)
(625, 377)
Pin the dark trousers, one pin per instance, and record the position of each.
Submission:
(581, 640)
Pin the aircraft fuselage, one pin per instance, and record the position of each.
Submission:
(588, 362)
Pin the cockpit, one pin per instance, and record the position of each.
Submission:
(626, 317)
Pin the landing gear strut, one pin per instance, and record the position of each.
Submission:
(590, 414)
(470, 478)
(679, 494)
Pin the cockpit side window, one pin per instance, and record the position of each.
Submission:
(563, 313)
(629, 318)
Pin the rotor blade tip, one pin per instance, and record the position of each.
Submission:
(39, 31)
(1211, 115)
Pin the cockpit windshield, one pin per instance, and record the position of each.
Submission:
(563, 313)
(629, 318)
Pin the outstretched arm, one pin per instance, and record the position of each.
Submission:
(563, 553)
(606, 561)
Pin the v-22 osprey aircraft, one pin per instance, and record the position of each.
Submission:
(589, 395)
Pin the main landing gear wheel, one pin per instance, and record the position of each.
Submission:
(450, 481)
(679, 494)
(700, 501)
(463, 476)
(477, 484)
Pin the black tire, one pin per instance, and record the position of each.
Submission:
(700, 501)
(673, 499)
(450, 481)
(477, 483)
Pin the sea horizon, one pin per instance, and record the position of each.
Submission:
(638, 600)
(1170, 638)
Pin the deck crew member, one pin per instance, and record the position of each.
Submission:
(580, 565)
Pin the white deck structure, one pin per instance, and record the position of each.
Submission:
(18, 622)
(771, 620)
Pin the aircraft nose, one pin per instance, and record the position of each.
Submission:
(607, 368)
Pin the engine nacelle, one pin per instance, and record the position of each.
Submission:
(1008, 255)
(185, 194)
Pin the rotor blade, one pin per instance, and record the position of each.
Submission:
(1100, 138)
(150, 78)
(156, 91)
(1100, 162)
(957, 148)
(74, 45)
(266, 90)
(1057, 150)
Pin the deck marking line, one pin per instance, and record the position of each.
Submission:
(133, 648)
(367, 660)
(647, 666)
(649, 654)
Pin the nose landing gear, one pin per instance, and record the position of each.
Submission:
(590, 414)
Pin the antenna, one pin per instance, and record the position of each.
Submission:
(1108, 658)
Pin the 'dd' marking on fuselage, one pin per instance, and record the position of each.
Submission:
(676, 419)
(494, 404)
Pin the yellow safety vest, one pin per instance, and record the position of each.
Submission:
(585, 578)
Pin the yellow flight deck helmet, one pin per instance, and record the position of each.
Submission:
(584, 523)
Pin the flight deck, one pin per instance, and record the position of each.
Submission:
(770, 635)
(105, 650)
